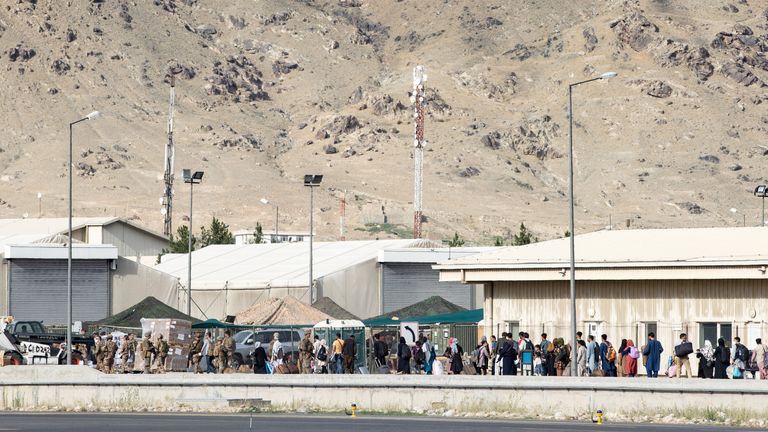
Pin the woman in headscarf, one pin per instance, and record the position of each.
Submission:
(706, 356)
(259, 356)
(581, 357)
(457, 365)
(321, 357)
(403, 357)
(722, 357)
(483, 355)
(620, 369)
(629, 356)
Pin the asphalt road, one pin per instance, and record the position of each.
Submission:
(70, 422)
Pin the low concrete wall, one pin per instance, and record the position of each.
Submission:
(73, 387)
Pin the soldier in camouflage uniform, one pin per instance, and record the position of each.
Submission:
(147, 348)
(162, 352)
(217, 354)
(109, 354)
(227, 351)
(195, 353)
(125, 353)
(97, 351)
(305, 353)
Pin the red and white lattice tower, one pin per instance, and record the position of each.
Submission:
(417, 97)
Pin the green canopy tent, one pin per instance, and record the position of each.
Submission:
(462, 317)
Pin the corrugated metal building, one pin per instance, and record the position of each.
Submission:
(34, 267)
(407, 277)
(708, 282)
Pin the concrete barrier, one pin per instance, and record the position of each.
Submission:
(79, 388)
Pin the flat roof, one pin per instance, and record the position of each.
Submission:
(274, 264)
(632, 248)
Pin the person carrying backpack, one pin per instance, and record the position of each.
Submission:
(403, 357)
(740, 355)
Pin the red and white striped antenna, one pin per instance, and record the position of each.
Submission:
(419, 102)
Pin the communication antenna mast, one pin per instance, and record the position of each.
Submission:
(417, 98)
(167, 200)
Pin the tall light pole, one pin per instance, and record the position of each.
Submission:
(277, 213)
(761, 191)
(90, 116)
(311, 181)
(192, 179)
(571, 228)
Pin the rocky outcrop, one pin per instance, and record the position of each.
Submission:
(236, 79)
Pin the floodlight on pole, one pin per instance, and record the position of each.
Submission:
(761, 191)
(90, 116)
(277, 213)
(192, 179)
(571, 215)
(311, 181)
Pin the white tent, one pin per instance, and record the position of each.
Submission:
(229, 278)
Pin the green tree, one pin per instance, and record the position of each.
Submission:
(498, 241)
(178, 243)
(524, 236)
(567, 234)
(258, 234)
(456, 241)
(217, 233)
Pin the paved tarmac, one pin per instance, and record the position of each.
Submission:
(72, 422)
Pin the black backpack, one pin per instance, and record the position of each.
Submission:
(742, 353)
(322, 354)
(597, 352)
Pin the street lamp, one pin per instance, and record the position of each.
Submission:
(574, 348)
(192, 179)
(761, 191)
(277, 213)
(311, 181)
(90, 116)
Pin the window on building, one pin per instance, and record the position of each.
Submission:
(712, 331)
(513, 327)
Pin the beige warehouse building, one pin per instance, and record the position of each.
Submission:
(708, 282)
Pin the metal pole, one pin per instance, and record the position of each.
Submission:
(277, 219)
(311, 235)
(763, 210)
(574, 348)
(69, 257)
(189, 253)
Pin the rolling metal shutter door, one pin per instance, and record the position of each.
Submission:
(406, 284)
(38, 290)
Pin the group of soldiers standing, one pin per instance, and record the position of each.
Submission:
(213, 355)
(105, 350)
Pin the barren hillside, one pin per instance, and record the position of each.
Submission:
(274, 89)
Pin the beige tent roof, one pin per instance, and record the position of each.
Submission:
(282, 311)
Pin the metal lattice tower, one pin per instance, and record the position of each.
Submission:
(417, 97)
(170, 152)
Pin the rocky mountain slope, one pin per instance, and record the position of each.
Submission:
(270, 90)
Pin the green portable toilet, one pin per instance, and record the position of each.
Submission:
(327, 330)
